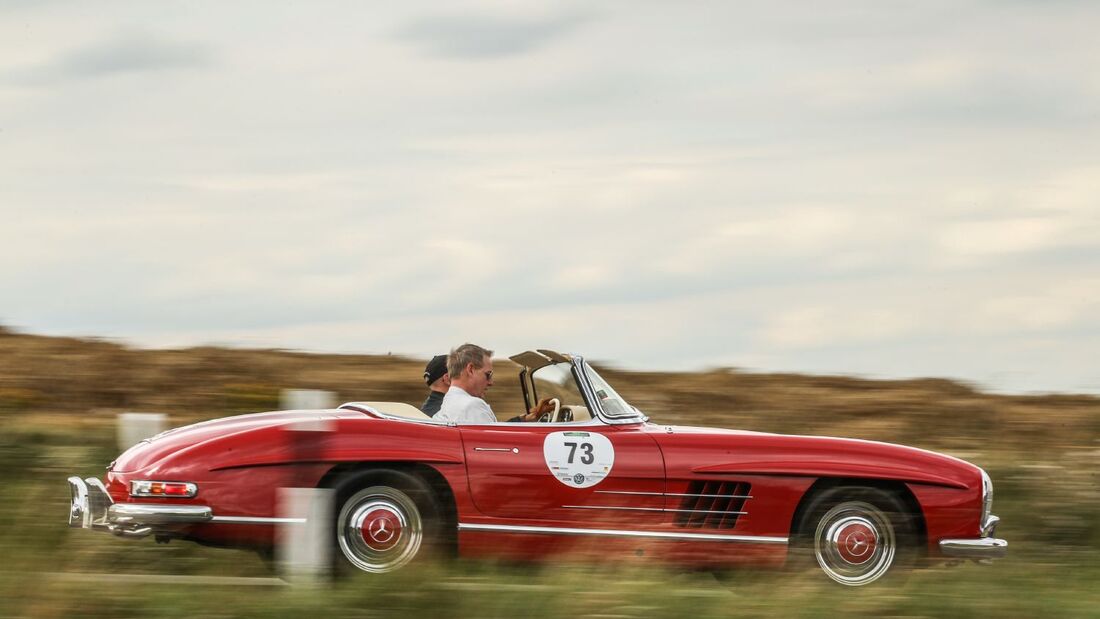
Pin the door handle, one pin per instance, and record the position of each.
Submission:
(514, 450)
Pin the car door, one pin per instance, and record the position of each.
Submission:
(572, 474)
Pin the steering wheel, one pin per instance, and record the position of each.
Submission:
(551, 416)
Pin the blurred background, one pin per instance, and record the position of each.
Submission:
(59, 398)
(856, 219)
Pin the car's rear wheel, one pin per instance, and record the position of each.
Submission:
(385, 522)
(857, 535)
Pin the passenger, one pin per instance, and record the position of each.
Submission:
(438, 380)
(471, 371)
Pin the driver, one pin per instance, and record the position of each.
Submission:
(471, 370)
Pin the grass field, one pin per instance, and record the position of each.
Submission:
(58, 399)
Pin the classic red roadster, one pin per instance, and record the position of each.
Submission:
(591, 478)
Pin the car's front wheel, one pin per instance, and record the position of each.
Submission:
(386, 525)
(857, 535)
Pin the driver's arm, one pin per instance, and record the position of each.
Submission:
(532, 415)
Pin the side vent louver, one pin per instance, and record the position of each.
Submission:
(713, 504)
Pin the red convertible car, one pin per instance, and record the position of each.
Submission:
(592, 478)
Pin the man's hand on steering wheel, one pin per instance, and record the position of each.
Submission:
(544, 406)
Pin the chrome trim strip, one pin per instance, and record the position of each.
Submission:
(654, 509)
(256, 520)
(716, 496)
(691, 537)
(713, 496)
(707, 511)
(635, 509)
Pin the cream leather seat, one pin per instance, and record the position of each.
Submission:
(397, 409)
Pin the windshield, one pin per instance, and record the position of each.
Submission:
(559, 380)
(556, 381)
(612, 403)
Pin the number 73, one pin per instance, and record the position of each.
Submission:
(587, 457)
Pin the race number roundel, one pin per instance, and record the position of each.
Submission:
(578, 459)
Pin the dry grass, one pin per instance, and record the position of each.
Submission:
(66, 380)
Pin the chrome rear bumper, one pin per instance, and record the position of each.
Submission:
(92, 508)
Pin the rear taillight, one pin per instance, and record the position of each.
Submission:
(171, 489)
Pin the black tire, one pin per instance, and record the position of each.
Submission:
(856, 535)
(384, 520)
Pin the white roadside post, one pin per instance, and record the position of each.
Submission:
(132, 428)
(306, 399)
(303, 549)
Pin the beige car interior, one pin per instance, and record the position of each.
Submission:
(575, 412)
(565, 414)
(397, 409)
(532, 360)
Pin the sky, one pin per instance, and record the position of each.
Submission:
(888, 190)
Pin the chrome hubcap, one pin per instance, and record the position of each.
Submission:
(854, 543)
(854, 539)
(379, 529)
(380, 526)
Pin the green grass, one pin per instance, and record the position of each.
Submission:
(1019, 587)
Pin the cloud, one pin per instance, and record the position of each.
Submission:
(851, 189)
(1061, 304)
(1050, 214)
(581, 277)
(811, 327)
(485, 36)
(998, 237)
(124, 54)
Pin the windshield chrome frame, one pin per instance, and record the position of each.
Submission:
(589, 393)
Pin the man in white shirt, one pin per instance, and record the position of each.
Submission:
(471, 370)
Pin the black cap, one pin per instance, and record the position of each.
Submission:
(436, 367)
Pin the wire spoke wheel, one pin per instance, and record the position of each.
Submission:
(379, 529)
(855, 543)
